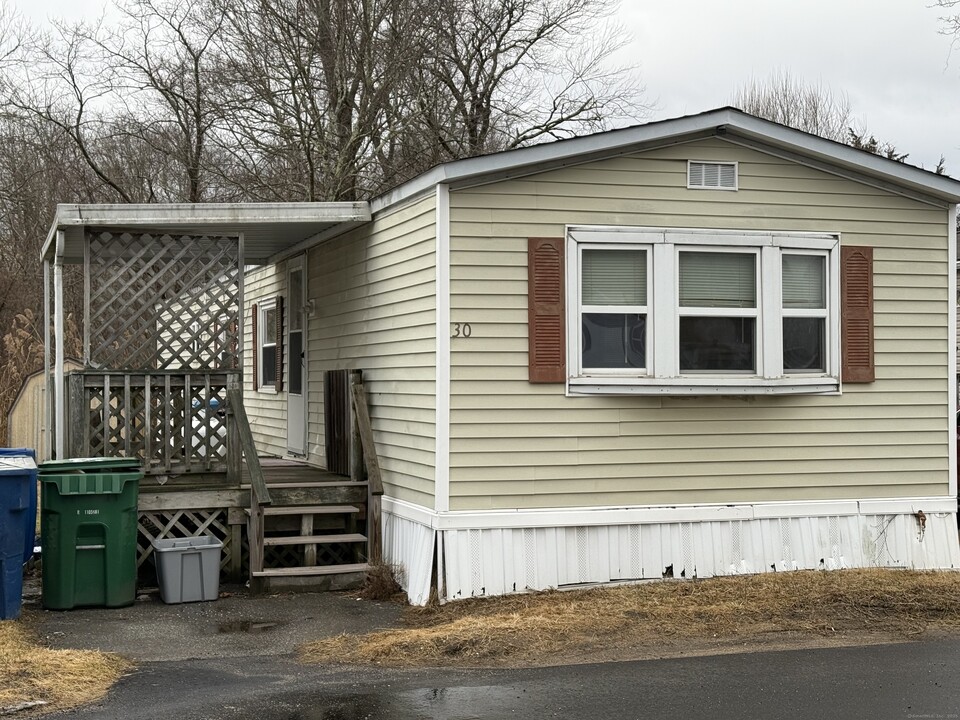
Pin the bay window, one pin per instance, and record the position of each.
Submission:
(678, 311)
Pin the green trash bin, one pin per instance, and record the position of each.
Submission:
(88, 519)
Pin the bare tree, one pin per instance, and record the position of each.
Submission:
(514, 72)
(785, 99)
(139, 90)
(317, 85)
(949, 24)
(358, 95)
(12, 31)
(166, 72)
(815, 109)
(56, 79)
(37, 170)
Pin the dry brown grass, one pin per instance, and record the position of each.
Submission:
(60, 678)
(543, 627)
(381, 583)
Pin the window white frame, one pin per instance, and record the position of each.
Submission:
(616, 309)
(722, 312)
(266, 338)
(819, 313)
(662, 375)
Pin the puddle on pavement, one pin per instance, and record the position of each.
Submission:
(247, 626)
(449, 703)
(361, 707)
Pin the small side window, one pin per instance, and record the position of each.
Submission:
(267, 351)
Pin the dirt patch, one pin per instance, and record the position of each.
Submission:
(663, 619)
(31, 673)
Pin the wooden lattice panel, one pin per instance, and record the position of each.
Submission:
(283, 556)
(160, 525)
(172, 422)
(163, 301)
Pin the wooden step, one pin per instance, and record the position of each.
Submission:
(308, 510)
(315, 539)
(317, 493)
(320, 570)
(310, 484)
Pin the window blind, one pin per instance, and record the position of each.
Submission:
(804, 281)
(614, 277)
(718, 280)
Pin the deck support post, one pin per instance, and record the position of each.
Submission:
(47, 380)
(58, 312)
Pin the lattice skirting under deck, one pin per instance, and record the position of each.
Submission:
(165, 524)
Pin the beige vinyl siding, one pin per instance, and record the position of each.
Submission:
(518, 445)
(374, 293)
(266, 409)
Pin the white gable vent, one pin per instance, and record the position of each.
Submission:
(712, 175)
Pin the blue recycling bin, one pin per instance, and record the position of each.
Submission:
(18, 518)
(30, 527)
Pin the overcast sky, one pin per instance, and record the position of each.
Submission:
(886, 55)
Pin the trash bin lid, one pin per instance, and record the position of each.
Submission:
(11, 465)
(90, 465)
(18, 452)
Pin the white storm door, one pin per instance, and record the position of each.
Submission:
(297, 362)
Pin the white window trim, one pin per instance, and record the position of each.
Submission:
(736, 175)
(662, 376)
(645, 308)
(265, 339)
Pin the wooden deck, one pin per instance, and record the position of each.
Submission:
(278, 471)
(161, 382)
(210, 507)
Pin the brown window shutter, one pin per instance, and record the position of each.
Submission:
(546, 317)
(278, 386)
(254, 319)
(856, 314)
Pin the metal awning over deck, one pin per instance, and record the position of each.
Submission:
(267, 228)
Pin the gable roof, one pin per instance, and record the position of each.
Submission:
(728, 123)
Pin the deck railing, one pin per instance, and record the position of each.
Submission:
(173, 421)
(259, 494)
(364, 432)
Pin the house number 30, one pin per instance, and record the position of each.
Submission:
(462, 330)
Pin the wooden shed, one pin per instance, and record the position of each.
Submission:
(25, 426)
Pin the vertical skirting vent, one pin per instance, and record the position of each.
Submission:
(336, 420)
(497, 561)
(712, 175)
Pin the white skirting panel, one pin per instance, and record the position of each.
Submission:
(408, 546)
(495, 561)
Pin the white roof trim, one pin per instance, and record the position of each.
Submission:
(199, 215)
